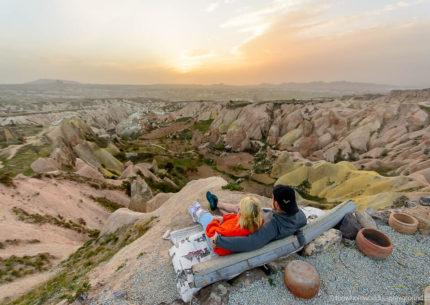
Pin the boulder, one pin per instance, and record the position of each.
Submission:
(91, 172)
(79, 163)
(157, 201)
(98, 157)
(365, 220)
(349, 226)
(129, 172)
(282, 165)
(417, 119)
(143, 169)
(130, 128)
(328, 239)
(325, 139)
(44, 165)
(64, 156)
(120, 218)
(287, 140)
(359, 139)
(307, 145)
(140, 194)
(170, 183)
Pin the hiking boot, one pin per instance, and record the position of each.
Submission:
(213, 200)
(192, 210)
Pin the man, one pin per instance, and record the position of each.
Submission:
(286, 219)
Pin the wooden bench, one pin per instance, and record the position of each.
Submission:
(227, 267)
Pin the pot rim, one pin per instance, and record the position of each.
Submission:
(378, 232)
(409, 224)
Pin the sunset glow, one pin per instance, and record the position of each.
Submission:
(230, 41)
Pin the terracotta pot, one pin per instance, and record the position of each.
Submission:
(427, 295)
(302, 279)
(403, 223)
(374, 243)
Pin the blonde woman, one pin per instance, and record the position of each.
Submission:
(248, 219)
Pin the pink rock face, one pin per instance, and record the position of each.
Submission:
(44, 165)
(252, 123)
(364, 129)
(90, 172)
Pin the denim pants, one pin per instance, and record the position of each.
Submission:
(204, 219)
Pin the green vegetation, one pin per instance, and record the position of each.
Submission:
(15, 134)
(232, 186)
(184, 135)
(271, 282)
(262, 164)
(203, 126)
(16, 242)
(15, 267)
(210, 162)
(425, 108)
(97, 184)
(239, 168)
(21, 162)
(183, 119)
(71, 282)
(121, 266)
(6, 178)
(59, 221)
(109, 205)
(304, 188)
(237, 104)
(384, 171)
(177, 168)
(219, 146)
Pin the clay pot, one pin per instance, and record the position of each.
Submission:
(374, 243)
(427, 295)
(302, 279)
(403, 223)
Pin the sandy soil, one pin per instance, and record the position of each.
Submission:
(66, 198)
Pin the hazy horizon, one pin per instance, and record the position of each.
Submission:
(218, 41)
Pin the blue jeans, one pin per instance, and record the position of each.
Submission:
(204, 219)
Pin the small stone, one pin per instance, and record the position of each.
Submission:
(119, 294)
(365, 220)
(330, 238)
(215, 298)
(222, 289)
(425, 201)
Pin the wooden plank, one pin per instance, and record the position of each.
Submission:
(226, 267)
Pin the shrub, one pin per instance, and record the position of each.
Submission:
(232, 186)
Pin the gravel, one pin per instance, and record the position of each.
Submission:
(349, 277)
(153, 284)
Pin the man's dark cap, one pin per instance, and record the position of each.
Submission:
(285, 196)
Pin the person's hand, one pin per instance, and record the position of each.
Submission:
(213, 240)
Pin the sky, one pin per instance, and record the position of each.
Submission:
(215, 41)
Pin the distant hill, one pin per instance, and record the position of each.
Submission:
(56, 89)
(47, 81)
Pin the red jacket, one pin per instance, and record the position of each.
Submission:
(229, 227)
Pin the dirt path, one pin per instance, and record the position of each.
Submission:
(11, 151)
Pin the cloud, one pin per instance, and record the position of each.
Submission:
(212, 7)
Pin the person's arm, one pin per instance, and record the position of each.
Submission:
(258, 239)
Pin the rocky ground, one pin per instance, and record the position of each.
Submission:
(88, 188)
(348, 277)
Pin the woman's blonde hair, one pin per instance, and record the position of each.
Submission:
(250, 216)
